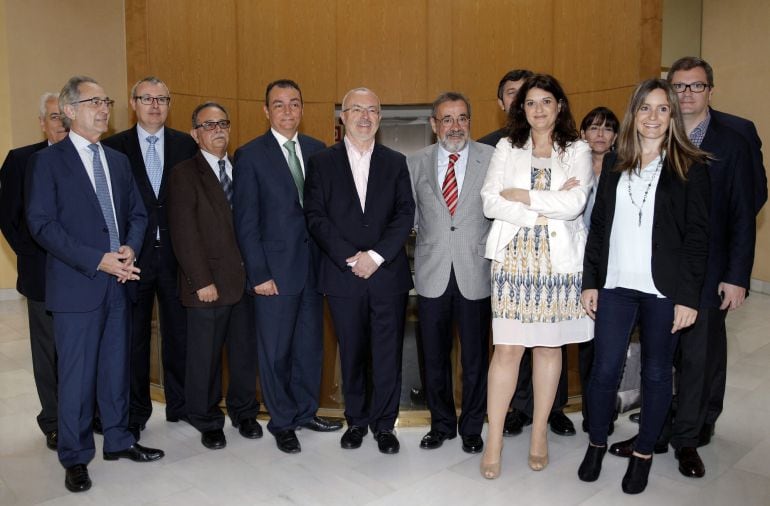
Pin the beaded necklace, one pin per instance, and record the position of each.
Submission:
(647, 191)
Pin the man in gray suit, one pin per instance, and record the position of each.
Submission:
(451, 273)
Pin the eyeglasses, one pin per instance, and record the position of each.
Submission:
(448, 121)
(358, 109)
(96, 101)
(56, 116)
(223, 124)
(694, 87)
(148, 100)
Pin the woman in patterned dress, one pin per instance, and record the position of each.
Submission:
(535, 190)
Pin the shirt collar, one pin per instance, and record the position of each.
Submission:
(463, 152)
(79, 141)
(281, 138)
(214, 159)
(351, 148)
(143, 134)
(699, 132)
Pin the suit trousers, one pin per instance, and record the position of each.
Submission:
(43, 363)
(370, 328)
(92, 349)
(523, 399)
(472, 318)
(290, 340)
(158, 279)
(701, 363)
(210, 329)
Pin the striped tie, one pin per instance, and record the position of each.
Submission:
(449, 188)
(226, 182)
(103, 195)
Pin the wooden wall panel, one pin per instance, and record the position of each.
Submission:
(616, 100)
(277, 39)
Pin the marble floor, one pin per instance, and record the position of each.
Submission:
(254, 472)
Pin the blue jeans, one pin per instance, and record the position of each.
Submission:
(618, 311)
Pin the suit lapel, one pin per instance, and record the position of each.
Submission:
(78, 171)
(472, 177)
(278, 161)
(343, 165)
(431, 165)
(116, 184)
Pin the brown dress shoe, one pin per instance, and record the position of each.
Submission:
(690, 463)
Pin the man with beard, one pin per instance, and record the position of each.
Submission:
(451, 273)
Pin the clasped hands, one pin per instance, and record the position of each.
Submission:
(120, 264)
(362, 264)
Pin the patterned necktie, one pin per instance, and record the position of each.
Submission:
(103, 194)
(226, 182)
(295, 168)
(152, 162)
(449, 188)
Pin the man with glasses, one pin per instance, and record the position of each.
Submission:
(153, 149)
(30, 263)
(212, 282)
(359, 208)
(451, 273)
(281, 262)
(84, 209)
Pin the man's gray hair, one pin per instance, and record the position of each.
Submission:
(359, 90)
(148, 79)
(44, 98)
(70, 94)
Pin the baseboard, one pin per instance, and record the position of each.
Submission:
(10, 294)
(759, 286)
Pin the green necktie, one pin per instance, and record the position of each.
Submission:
(296, 169)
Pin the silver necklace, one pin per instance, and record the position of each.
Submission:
(646, 191)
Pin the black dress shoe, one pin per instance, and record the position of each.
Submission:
(591, 466)
(77, 479)
(214, 439)
(97, 425)
(287, 441)
(635, 417)
(137, 453)
(704, 437)
(387, 442)
(319, 424)
(610, 431)
(176, 418)
(690, 463)
(353, 437)
(635, 479)
(52, 440)
(515, 421)
(560, 424)
(249, 428)
(626, 448)
(472, 443)
(434, 439)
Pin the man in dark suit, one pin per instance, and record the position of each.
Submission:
(153, 149)
(212, 284)
(84, 209)
(522, 403)
(282, 265)
(359, 207)
(30, 263)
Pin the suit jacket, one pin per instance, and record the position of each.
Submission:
(202, 234)
(177, 147)
(30, 257)
(65, 218)
(493, 138)
(680, 232)
(445, 241)
(341, 228)
(732, 232)
(749, 132)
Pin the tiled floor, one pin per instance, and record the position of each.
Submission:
(255, 472)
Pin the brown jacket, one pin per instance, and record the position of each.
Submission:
(202, 234)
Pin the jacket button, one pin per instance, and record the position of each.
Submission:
(366, 225)
(452, 229)
(553, 234)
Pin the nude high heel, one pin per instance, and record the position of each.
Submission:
(537, 463)
(491, 471)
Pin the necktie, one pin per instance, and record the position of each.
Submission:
(103, 194)
(449, 188)
(226, 182)
(152, 162)
(295, 168)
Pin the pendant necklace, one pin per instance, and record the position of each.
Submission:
(647, 191)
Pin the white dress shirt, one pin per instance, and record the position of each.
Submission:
(87, 157)
(460, 165)
(214, 164)
(297, 149)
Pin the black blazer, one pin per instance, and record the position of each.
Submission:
(341, 228)
(30, 257)
(679, 236)
(177, 147)
(493, 138)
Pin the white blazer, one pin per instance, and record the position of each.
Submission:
(511, 168)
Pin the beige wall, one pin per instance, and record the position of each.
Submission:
(681, 30)
(735, 42)
(44, 43)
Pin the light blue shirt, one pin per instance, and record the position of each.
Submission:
(144, 145)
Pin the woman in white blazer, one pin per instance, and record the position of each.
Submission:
(535, 190)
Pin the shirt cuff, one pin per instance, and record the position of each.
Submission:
(376, 257)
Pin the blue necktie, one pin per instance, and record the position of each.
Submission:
(226, 182)
(152, 162)
(103, 194)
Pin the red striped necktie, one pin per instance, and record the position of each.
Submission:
(449, 188)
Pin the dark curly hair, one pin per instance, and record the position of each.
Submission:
(518, 129)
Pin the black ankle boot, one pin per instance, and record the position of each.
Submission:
(592, 463)
(635, 480)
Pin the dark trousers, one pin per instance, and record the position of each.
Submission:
(523, 399)
(43, 347)
(92, 349)
(619, 310)
(472, 318)
(210, 330)
(370, 326)
(585, 363)
(701, 363)
(290, 339)
(158, 278)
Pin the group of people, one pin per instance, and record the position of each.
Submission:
(549, 233)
